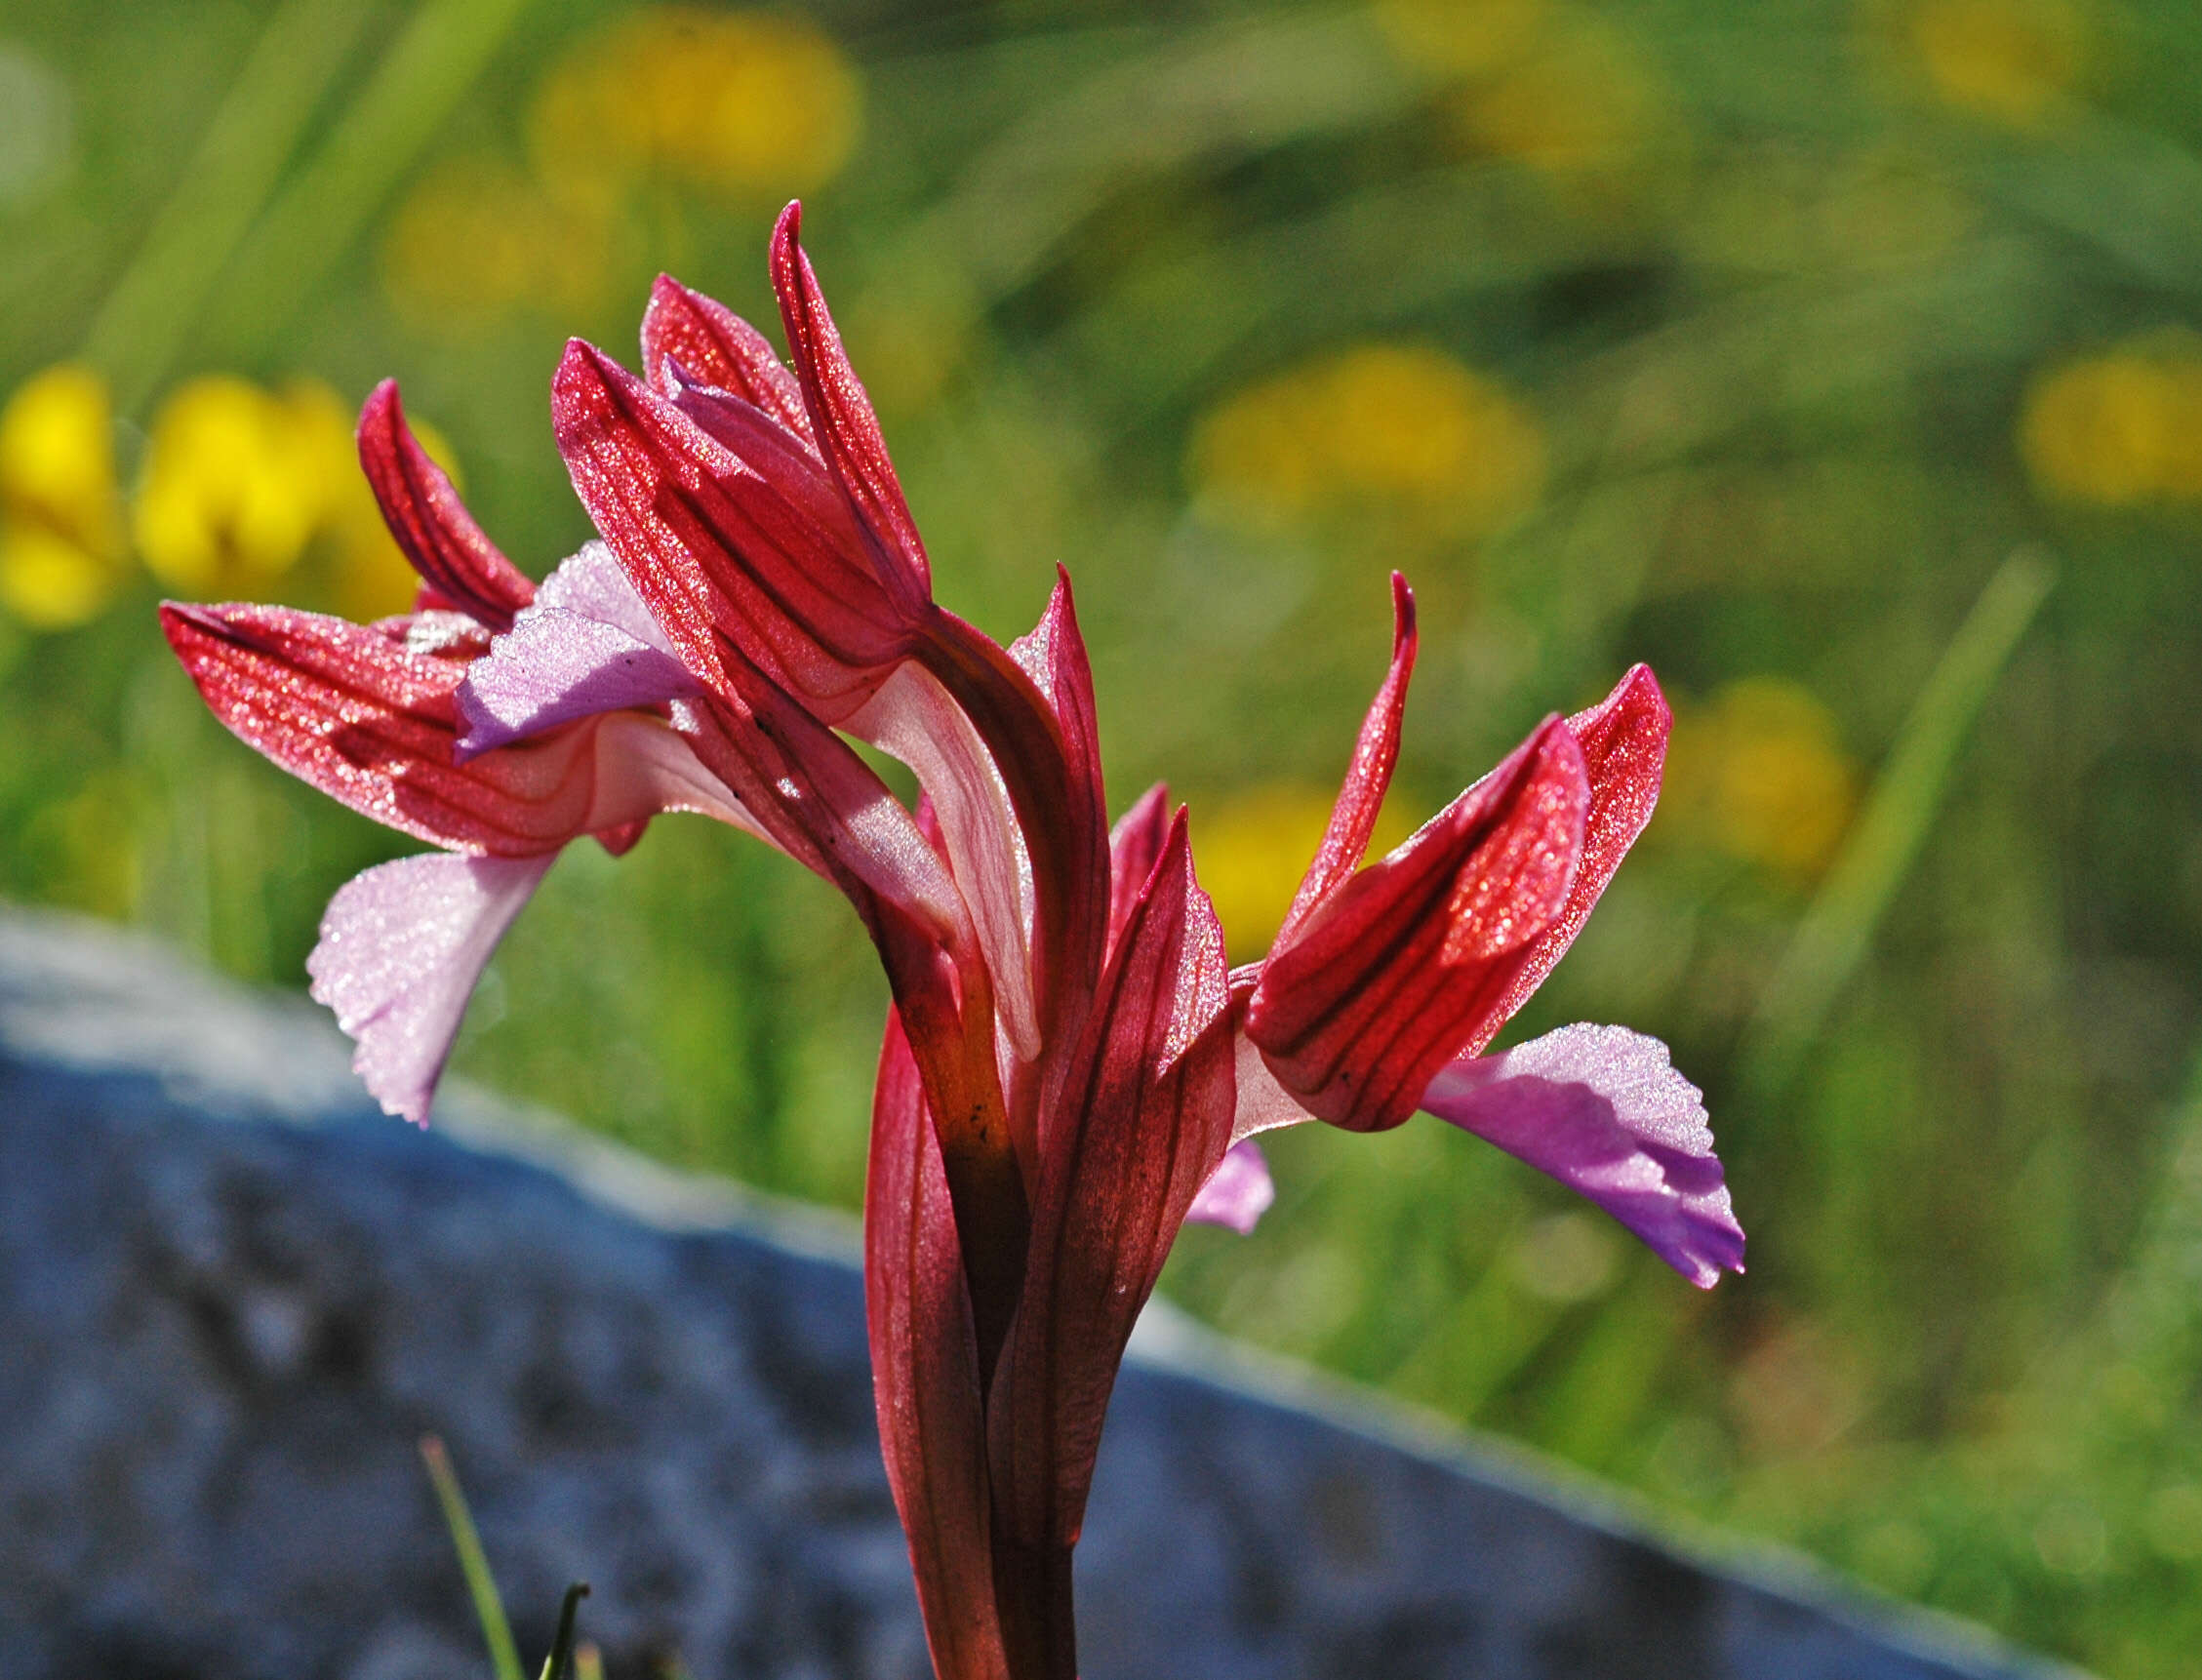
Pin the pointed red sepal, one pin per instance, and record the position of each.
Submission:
(747, 545)
(1353, 818)
(1624, 742)
(709, 344)
(924, 1373)
(842, 419)
(1144, 1119)
(1409, 963)
(354, 712)
(456, 559)
(1134, 845)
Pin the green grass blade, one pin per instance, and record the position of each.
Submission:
(496, 1632)
(1831, 939)
(559, 1664)
(139, 328)
(315, 222)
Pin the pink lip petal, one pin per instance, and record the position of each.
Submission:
(912, 717)
(1602, 1109)
(1238, 1193)
(589, 645)
(401, 949)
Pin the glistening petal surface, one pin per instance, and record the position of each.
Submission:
(589, 645)
(1602, 1109)
(452, 554)
(401, 949)
(924, 1373)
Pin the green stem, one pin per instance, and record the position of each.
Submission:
(141, 326)
(1877, 856)
(489, 1607)
(315, 222)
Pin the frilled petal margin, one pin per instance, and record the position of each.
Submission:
(1601, 1110)
(1238, 1193)
(401, 949)
(588, 645)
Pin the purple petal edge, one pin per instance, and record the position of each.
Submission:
(1238, 1193)
(589, 645)
(401, 949)
(1602, 1109)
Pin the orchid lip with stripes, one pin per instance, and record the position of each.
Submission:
(1071, 1070)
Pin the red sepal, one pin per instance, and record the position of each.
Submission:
(751, 547)
(456, 559)
(1624, 742)
(1134, 845)
(842, 419)
(925, 1373)
(350, 710)
(711, 345)
(1409, 962)
(1146, 1116)
(1353, 818)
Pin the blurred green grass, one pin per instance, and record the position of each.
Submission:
(1748, 340)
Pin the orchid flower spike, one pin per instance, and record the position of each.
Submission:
(1070, 1071)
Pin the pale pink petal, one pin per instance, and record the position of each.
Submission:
(401, 949)
(1238, 1192)
(912, 717)
(1262, 1103)
(588, 645)
(1602, 1110)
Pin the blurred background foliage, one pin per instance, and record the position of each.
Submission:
(1837, 356)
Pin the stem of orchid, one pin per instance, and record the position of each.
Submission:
(141, 327)
(1831, 939)
(1033, 1588)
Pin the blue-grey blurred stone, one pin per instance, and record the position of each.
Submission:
(233, 1298)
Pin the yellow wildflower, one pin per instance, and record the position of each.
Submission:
(371, 578)
(60, 524)
(1581, 107)
(1253, 849)
(1458, 37)
(2120, 429)
(1761, 773)
(2011, 61)
(761, 106)
(232, 489)
(1402, 427)
(476, 240)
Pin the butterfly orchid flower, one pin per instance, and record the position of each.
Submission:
(1071, 1070)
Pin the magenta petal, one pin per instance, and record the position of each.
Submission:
(1601, 1110)
(589, 645)
(1238, 1193)
(401, 949)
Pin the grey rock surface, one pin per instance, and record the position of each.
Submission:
(234, 1296)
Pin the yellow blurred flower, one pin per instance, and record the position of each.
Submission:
(761, 106)
(370, 575)
(1582, 109)
(2012, 62)
(477, 239)
(1399, 427)
(1458, 37)
(233, 490)
(1761, 773)
(2120, 429)
(1252, 848)
(61, 519)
